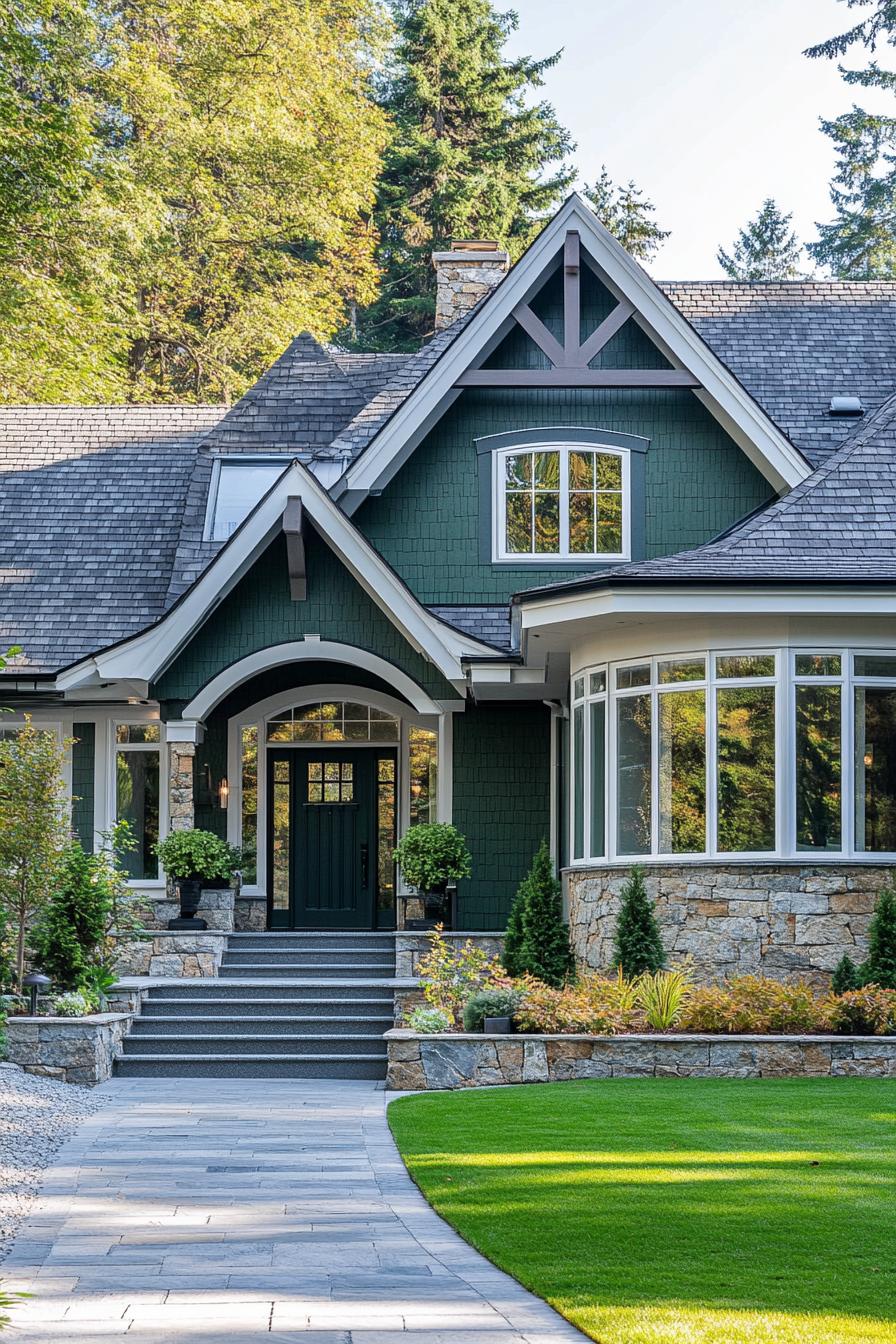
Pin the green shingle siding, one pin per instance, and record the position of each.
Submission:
(502, 781)
(260, 613)
(83, 762)
(426, 523)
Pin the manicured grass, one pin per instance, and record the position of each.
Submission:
(676, 1211)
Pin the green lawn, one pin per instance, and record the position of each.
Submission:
(676, 1211)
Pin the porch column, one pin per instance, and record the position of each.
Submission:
(182, 736)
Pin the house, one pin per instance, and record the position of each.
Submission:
(608, 561)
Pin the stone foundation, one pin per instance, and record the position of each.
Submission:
(746, 919)
(250, 914)
(71, 1049)
(435, 1063)
(216, 906)
(170, 954)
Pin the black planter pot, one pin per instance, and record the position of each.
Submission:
(497, 1026)
(189, 893)
(439, 907)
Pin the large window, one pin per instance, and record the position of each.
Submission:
(759, 753)
(564, 501)
(137, 780)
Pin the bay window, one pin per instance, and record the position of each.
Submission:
(723, 754)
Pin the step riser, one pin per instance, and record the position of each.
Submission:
(326, 957)
(239, 1068)
(297, 992)
(135, 1046)
(265, 942)
(230, 1019)
(256, 972)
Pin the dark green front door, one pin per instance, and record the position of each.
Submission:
(326, 839)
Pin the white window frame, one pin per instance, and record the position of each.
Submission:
(113, 747)
(219, 463)
(500, 554)
(785, 680)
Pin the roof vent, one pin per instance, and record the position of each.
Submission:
(847, 406)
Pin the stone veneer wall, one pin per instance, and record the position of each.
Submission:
(170, 953)
(420, 1063)
(788, 922)
(223, 910)
(411, 945)
(71, 1049)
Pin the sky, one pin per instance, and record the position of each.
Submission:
(709, 105)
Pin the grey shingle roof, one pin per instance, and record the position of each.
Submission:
(90, 503)
(839, 525)
(796, 344)
(488, 624)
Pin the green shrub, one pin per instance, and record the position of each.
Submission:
(197, 854)
(869, 1011)
(73, 1004)
(432, 855)
(511, 955)
(543, 949)
(638, 947)
(880, 966)
(662, 997)
(846, 975)
(754, 1004)
(450, 974)
(493, 1002)
(71, 928)
(429, 1020)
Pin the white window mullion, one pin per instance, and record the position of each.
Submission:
(564, 504)
(712, 761)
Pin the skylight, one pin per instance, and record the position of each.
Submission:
(236, 488)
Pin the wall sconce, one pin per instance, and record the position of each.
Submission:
(223, 793)
(869, 758)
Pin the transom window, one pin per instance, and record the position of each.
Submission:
(336, 721)
(569, 502)
(759, 753)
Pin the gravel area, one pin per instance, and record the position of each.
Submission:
(37, 1115)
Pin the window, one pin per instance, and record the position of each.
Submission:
(137, 780)
(725, 754)
(339, 721)
(237, 486)
(563, 501)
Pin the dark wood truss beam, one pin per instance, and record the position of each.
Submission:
(295, 549)
(577, 377)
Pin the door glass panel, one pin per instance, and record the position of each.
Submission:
(818, 767)
(682, 772)
(280, 807)
(746, 747)
(330, 782)
(385, 833)
(249, 799)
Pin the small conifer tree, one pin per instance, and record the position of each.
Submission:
(846, 975)
(69, 934)
(880, 968)
(638, 946)
(544, 949)
(513, 936)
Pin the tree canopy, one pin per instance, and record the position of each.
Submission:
(767, 249)
(860, 242)
(627, 213)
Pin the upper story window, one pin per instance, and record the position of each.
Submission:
(237, 486)
(566, 501)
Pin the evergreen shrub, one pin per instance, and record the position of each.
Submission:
(638, 947)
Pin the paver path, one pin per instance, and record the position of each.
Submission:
(242, 1211)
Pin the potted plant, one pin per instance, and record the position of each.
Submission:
(431, 857)
(491, 1010)
(189, 859)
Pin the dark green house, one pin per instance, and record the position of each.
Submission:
(382, 590)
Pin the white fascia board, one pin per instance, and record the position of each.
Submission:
(146, 655)
(714, 601)
(781, 464)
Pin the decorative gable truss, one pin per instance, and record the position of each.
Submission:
(575, 245)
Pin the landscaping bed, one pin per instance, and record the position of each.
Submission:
(676, 1212)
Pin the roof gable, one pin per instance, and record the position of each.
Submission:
(459, 357)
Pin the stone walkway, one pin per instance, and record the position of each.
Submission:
(247, 1211)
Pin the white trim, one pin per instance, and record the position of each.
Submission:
(297, 651)
(722, 394)
(147, 655)
(500, 554)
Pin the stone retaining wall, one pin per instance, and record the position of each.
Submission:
(170, 953)
(216, 907)
(411, 945)
(72, 1049)
(431, 1063)
(786, 922)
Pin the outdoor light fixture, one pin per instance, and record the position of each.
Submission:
(36, 982)
(223, 793)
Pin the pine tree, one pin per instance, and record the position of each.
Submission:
(544, 951)
(880, 966)
(627, 214)
(513, 935)
(638, 946)
(767, 249)
(846, 975)
(860, 242)
(472, 155)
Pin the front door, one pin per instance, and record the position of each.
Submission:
(330, 837)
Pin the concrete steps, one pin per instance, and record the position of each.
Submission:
(319, 1010)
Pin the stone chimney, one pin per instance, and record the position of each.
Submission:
(472, 268)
